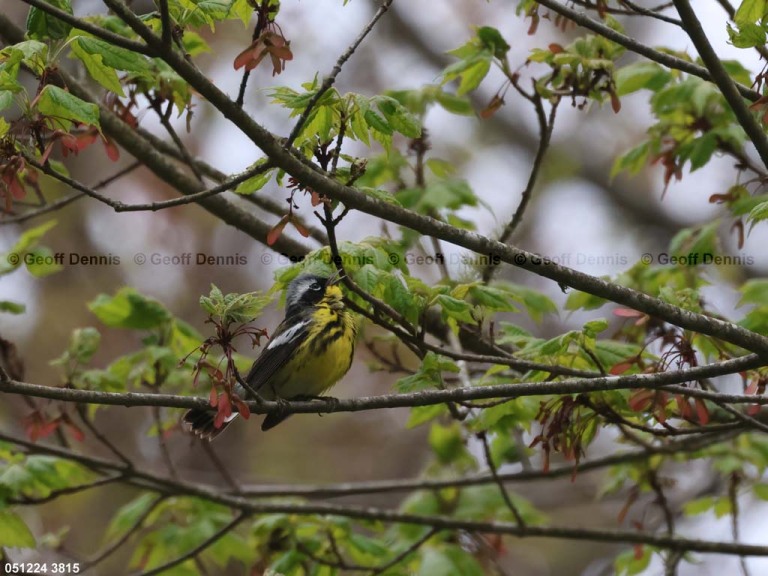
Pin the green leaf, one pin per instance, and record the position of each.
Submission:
(376, 122)
(640, 75)
(82, 346)
(473, 74)
(738, 72)
(455, 308)
(59, 104)
(492, 39)
(398, 116)
(25, 242)
(42, 262)
(750, 11)
(435, 563)
(754, 291)
(12, 307)
(632, 161)
(129, 309)
(14, 533)
(422, 414)
(448, 560)
(102, 59)
(698, 506)
(455, 104)
(42, 26)
(761, 491)
(594, 327)
(447, 442)
(758, 213)
(695, 243)
(748, 35)
(537, 303)
(493, 298)
(583, 301)
(257, 182)
(129, 514)
(701, 150)
(233, 308)
(6, 99)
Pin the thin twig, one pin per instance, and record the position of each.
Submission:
(220, 533)
(54, 206)
(634, 10)
(153, 206)
(81, 411)
(165, 120)
(220, 467)
(117, 544)
(733, 496)
(722, 79)
(483, 437)
(54, 494)
(331, 78)
(405, 553)
(97, 31)
(164, 452)
(546, 126)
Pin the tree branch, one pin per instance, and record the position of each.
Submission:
(98, 31)
(148, 480)
(424, 397)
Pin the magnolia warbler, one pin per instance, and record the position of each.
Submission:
(309, 352)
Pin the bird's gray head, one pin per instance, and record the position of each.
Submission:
(304, 291)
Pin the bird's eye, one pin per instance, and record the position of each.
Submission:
(316, 286)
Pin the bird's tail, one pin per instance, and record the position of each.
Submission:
(202, 423)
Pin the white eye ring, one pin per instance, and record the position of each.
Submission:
(316, 286)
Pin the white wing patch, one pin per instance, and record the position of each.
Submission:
(288, 335)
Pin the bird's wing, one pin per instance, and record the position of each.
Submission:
(281, 348)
